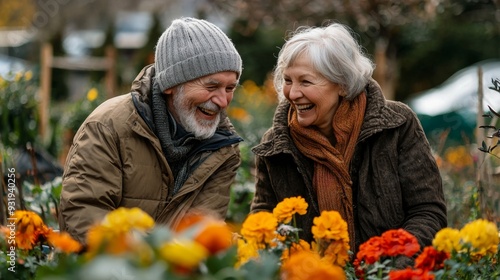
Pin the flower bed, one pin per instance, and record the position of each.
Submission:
(128, 245)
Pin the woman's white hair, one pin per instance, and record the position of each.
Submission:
(333, 52)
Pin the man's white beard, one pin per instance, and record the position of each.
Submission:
(202, 129)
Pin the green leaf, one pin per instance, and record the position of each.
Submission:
(222, 260)
(266, 268)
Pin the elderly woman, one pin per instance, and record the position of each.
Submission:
(336, 142)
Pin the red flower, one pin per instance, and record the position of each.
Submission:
(370, 251)
(431, 259)
(410, 274)
(399, 242)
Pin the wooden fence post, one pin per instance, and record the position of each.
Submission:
(48, 61)
(45, 85)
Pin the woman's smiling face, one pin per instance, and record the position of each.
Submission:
(315, 98)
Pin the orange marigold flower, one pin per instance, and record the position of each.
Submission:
(30, 228)
(410, 274)
(260, 227)
(337, 253)
(302, 245)
(188, 221)
(370, 251)
(215, 236)
(399, 242)
(285, 210)
(99, 237)
(64, 242)
(307, 265)
(330, 225)
(239, 114)
(431, 259)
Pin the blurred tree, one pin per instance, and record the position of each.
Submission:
(258, 50)
(465, 33)
(391, 30)
(14, 13)
(380, 20)
(146, 54)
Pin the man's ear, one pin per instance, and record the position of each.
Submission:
(168, 91)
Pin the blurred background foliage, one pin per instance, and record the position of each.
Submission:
(415, 44)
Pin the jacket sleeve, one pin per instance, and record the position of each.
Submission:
(421, 183)
(264, 198)
(91, 181)
(215, 194)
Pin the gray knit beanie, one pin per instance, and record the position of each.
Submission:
(192, 48)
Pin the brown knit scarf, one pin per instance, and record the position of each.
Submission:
(331, 179)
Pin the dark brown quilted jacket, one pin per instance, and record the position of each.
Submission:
(396, 182)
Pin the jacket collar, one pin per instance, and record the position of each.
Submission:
(378, 115)
(141, 91)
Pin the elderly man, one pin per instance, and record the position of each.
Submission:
(166, 147)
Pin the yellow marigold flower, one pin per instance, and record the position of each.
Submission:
(18, 76)
(307, 265)
(28, 75)
(447, 240)
(247, 250)
(125, 219)
(259, 227)
(337, 253)
(29, 228)
(118, 232)
(482, 236)
(64, 242)
(285, 210)
(330, 225)
(186, 254)
(99, 238)
(92, 94)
